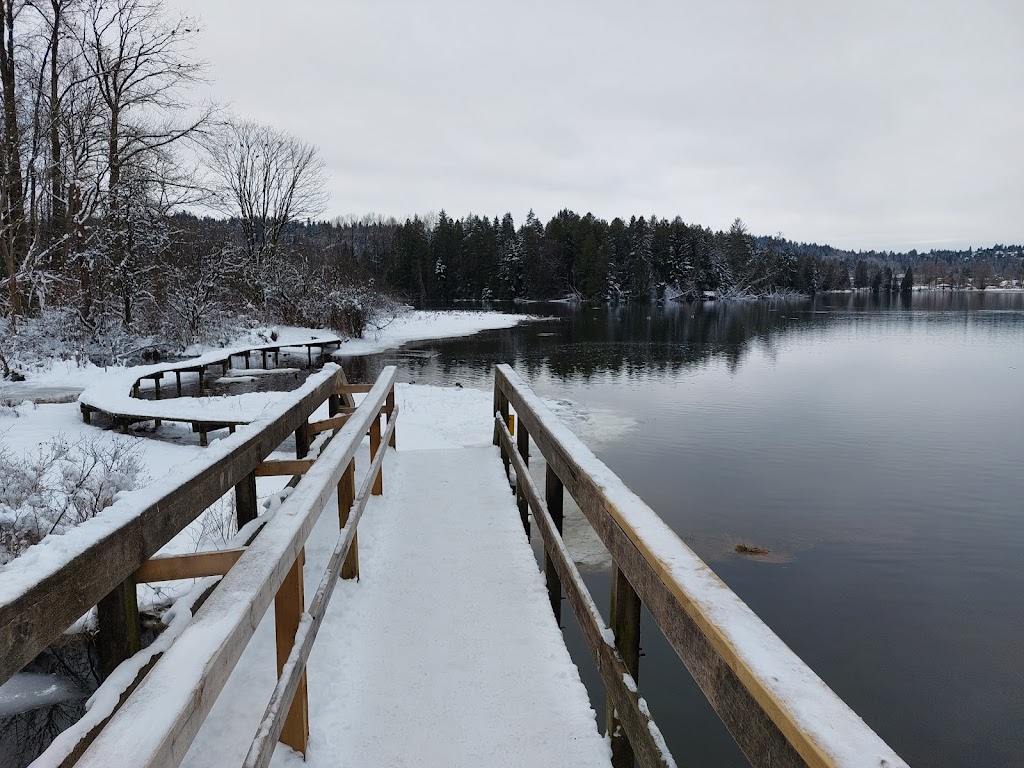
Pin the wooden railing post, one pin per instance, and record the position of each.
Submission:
(120, 630)
(511, 424)
(625, 623)
(289, 604)
(302, 441)
(378, 481)
(389, 408)
(523, 446)
(246, 505)
(496, 406)
(346, 498)
(334, 405)
(554, 496)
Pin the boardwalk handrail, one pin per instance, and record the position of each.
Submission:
(39, 599)
(777, 709)
(176, 695)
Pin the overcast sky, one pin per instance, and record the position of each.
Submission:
(893, 124)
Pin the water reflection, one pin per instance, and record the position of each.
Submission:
(51, 695)
(587, 343)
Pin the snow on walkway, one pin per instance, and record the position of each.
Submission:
(446, 652)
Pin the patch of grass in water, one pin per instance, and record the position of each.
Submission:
(750, 549)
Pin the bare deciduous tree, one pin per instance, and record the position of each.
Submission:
(140, 59)
(267, 179)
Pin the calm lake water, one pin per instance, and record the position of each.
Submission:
(875, 445)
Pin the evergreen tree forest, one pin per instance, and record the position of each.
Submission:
(438, 260)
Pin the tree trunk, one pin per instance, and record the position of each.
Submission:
(13, 212)
(58, 206)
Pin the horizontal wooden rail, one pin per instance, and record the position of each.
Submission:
(325, 425)
(351, 389)
(194, 565)
(38, 601)
(262, 749)
(778, 711)
(178, 693)
(278, 467)
(622, 688)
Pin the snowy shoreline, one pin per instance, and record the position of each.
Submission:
(65, 379)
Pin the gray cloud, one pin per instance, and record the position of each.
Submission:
(867, 124)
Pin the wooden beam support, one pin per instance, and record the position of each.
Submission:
(389, 409)
(625, 624)
(279, 467)
(754, 704)
(523, 446)
(194, 565)
(326, 425)
(351, 389)
(554, 496)
(378, 481)
(289, 605)
(346, 498)
(120, 631)
(246, 503)
(303, 438)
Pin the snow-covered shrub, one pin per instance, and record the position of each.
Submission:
(60, 485)
(57, 333)
(349, 311)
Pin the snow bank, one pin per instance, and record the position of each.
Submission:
(419, 325)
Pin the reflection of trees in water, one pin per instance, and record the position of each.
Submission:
(25, 735)
(638, 341)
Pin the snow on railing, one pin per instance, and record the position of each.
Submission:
(777, 709)
(55, 582)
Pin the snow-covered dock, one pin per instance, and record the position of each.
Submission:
(441, 647)
(446, 652)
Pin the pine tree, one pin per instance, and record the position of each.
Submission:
(511, 276)
(640, 276)
(907, 284)
(861, 278)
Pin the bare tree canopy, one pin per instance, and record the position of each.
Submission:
(267, 179)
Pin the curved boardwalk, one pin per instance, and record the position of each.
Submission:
(119, 398)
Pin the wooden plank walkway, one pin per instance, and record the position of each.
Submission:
(446, 652)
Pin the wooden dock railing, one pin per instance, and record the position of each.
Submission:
(777, 709)
(104, 570)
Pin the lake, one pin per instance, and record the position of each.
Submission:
(873, 444)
